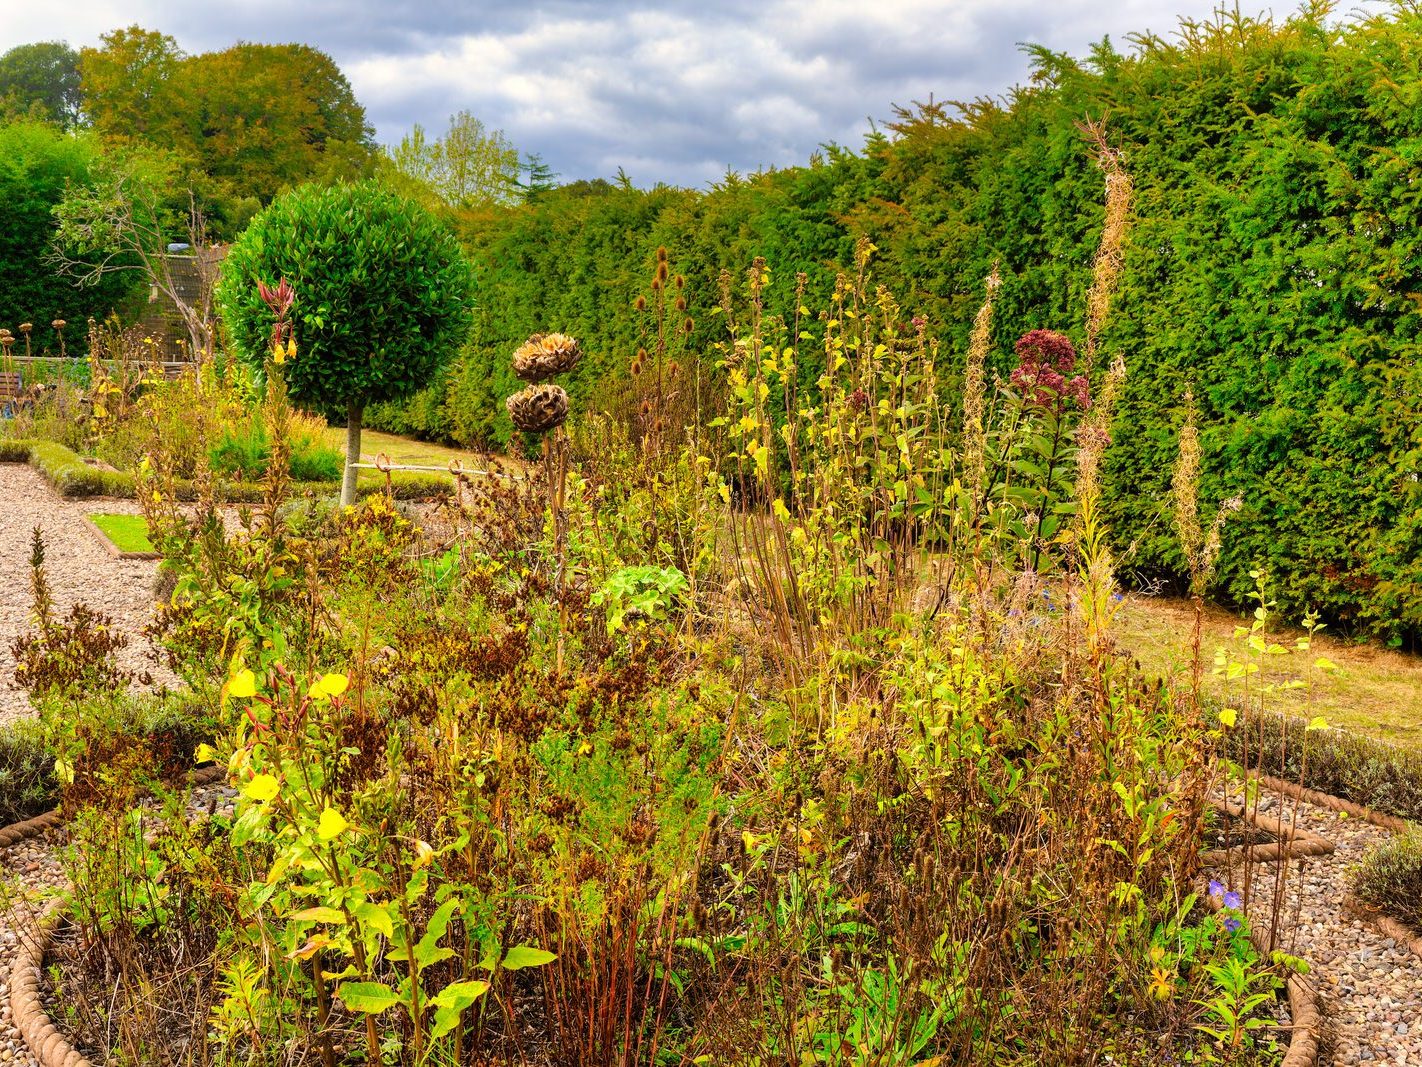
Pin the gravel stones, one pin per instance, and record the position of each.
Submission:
(1371, 985)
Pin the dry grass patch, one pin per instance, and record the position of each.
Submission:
(1376, 691)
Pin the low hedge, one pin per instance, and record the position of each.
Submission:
(73, 478)
(168, 727)
(1390, 879)
(1365, 770)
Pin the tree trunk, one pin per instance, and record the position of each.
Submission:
(354, 413)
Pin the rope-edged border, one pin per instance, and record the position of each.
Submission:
(28, 828)
(27, 1011)
(1293, 840)
(34, 937)
(1332, 803)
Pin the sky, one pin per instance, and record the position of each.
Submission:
(675, 91)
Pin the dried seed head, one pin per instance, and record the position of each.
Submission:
(661, 272)
(26, 327)
(640, 303)
(59, 324)
(688, 325)
(544, 355)
(539, 408)
(681, 303)
(661, 253)
(656, 286)
(681, 281)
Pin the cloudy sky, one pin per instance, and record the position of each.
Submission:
(672, 91)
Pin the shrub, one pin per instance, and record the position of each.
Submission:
(1390, 878)
(382, 295)
(27, 785)
(244, 449)
(1376, 774)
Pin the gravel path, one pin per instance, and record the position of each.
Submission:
(1371, 985)
(79, 568)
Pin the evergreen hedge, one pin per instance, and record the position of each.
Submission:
(1274, 265)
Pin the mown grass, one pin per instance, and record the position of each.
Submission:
(1375, 691)
(128, 532)
(406, 450)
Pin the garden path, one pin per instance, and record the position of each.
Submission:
(1371, 985)
(79, 569)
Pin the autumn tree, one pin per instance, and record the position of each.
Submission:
(128, 88)
(43, 75)
(470, 164)
(250, 120)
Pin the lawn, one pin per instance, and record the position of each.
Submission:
(1375, 691)
(406, 450)
(129, 533)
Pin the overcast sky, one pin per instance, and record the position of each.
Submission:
(673, 91)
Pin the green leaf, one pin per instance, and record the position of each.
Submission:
(521, 956)
(369, 997)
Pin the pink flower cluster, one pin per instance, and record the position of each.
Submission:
(1045, 358)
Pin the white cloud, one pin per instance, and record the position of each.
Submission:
(677, 91)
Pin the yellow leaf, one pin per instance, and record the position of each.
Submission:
(204, 754)
(1228, 716)
(1323, 663)
(320, 915)
(261, 788)
(1318, 722)
(333, 685)
(332, 824)
(242, 684)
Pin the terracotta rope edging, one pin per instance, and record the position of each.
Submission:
(1332, 803)
(27, 1010)
(33, 937)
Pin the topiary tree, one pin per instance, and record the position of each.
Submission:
(382, 297)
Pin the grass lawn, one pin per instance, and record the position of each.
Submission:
(128, 532)
(1375, 692)
(407, 450)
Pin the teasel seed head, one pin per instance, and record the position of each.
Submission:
(640, 303)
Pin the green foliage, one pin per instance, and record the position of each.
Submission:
(39, 164)
(243, 449)
(638, 593)
(382, 293)
(43, 75)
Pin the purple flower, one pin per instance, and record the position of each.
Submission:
(1233, 901)
(1216, 888)
(1232, 924)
